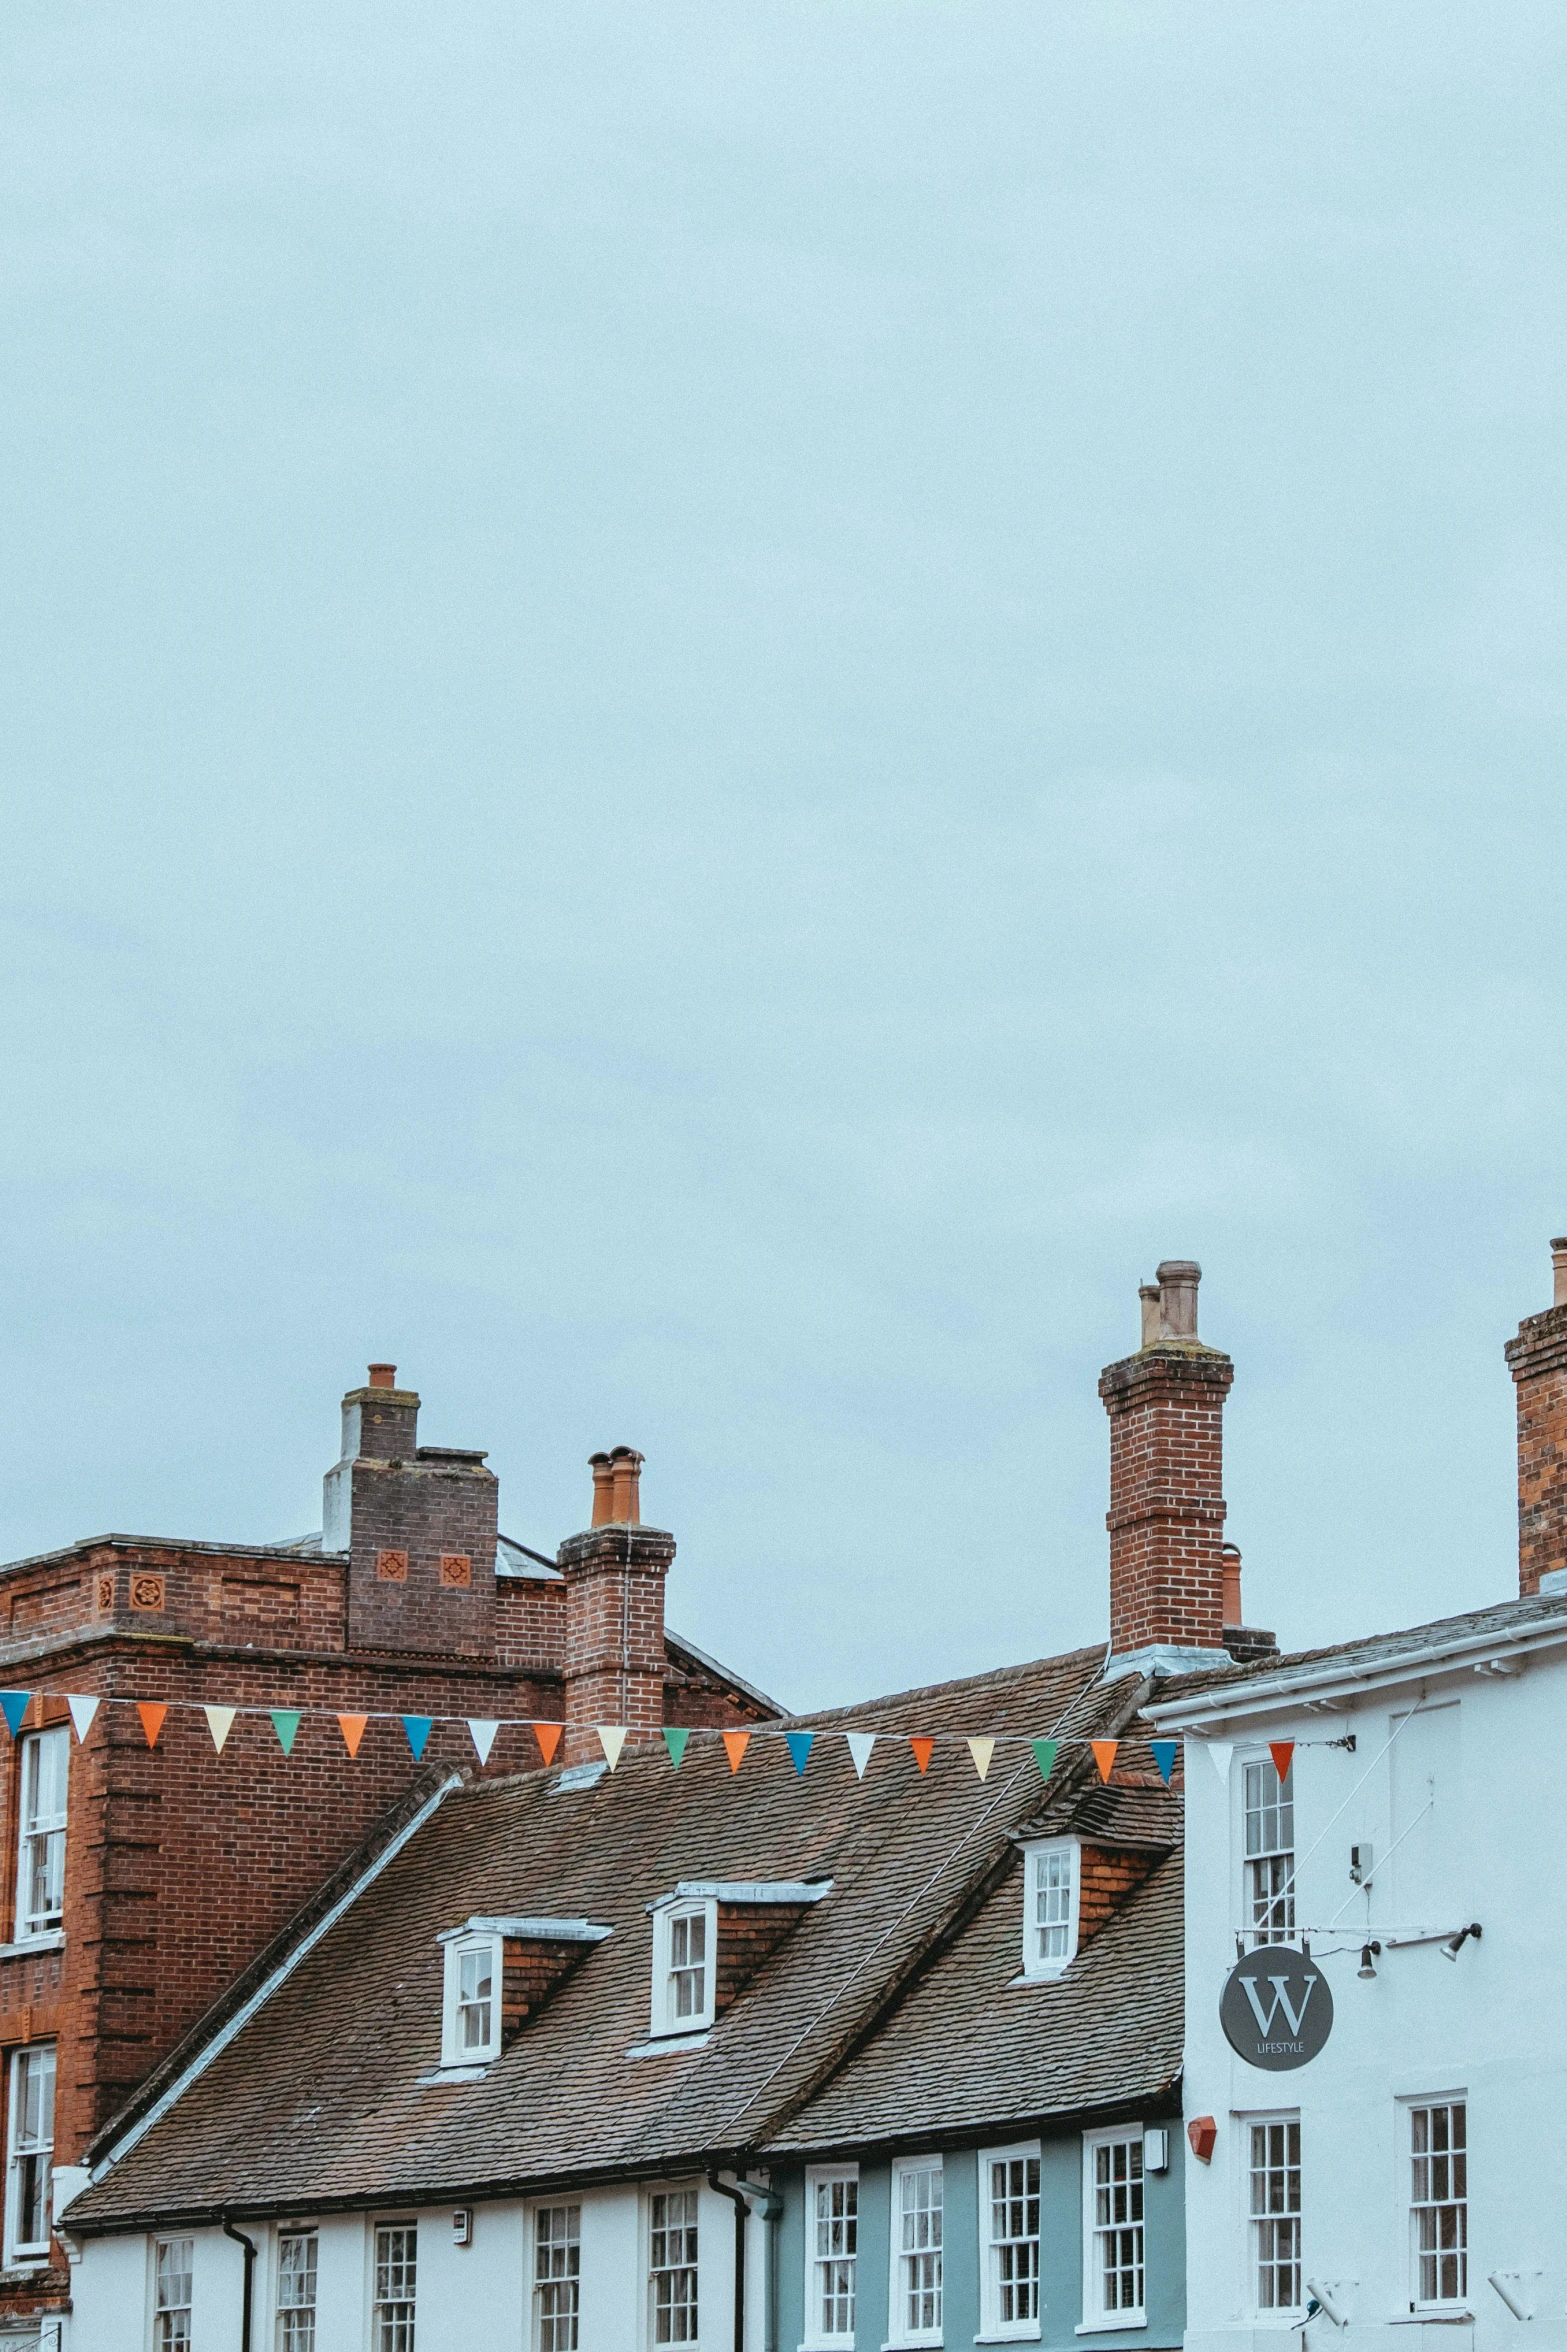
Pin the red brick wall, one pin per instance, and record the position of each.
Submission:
(747, 1933)
(531, 1970)
(1106, 1876)
(1538, 1361)
(1166, 1516)
(615, 1660)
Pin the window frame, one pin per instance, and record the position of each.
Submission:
(1097, 2317)
(409, 2224)
(30, 1927)
(287, 2231)
(899, 2332)
(1284, 1897)
(662, 2020)
(993, 2329)
(453, 2053)
(30, 2253)
(671, 2188)
(537, 2281)
(1446, 2306)
(1035, 1853)
(813, 2338)
(1265, 2119)
(157, 2311)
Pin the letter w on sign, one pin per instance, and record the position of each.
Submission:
(1294, 2018)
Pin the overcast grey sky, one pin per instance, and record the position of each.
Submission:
(712, 711)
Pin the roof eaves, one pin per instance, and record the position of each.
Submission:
(1360, 1667)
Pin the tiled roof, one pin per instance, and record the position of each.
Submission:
(320, 2100)
(1374, 1653)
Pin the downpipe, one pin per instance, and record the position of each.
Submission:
(249, 2245)
(768, 2205)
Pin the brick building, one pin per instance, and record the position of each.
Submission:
(141, 1882)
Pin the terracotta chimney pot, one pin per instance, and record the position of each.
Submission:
(1231, 1557)
(626, 1466)
(603, 1489)
(383, 1376)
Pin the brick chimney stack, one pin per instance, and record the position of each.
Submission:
(1538, 1362)
(615, 1656)
(1166, 1516)
(418, 1526)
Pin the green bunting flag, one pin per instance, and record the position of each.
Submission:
(285, 1722)
(675, 1742)
(1045, 1752)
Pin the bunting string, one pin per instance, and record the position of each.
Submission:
(981, 1748)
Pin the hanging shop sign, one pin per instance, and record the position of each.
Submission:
(1276, 2009)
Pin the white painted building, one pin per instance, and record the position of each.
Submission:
(1412, 2178)
(474, 2287)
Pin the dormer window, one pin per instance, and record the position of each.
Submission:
(1050, 1906)
(710, 1936)
(685, 1937)
(471, 2026)
(498, 1973)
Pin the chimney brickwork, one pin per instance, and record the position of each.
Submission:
(616, 1664)
(1537, 1359)
(1166, 1516)
(418, 1525)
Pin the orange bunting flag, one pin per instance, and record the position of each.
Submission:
(152, 1714)
(735, 1745)
(924, 1749)
(548, 1737)
(352, 1728)
(1104, 1756)
(1281, 1751)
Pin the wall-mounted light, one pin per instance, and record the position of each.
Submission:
(1455, 1944)
(1156, 2150)
(1369, 1953)
(1203, 2133)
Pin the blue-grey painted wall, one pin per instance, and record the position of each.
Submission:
(1061, 2253)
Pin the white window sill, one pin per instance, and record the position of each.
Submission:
(1025, 2335)
(1110, 2322)
(1039, 1976)
(469, 2071)
(913, 2344)
(1440, 2315)
(54, 1941)
(666, 2045)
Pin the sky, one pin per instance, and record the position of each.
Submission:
(710, 713)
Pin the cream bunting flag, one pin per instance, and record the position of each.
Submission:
(982, 1750)
(220, 1722)
(82, 1713)
(612, 1738)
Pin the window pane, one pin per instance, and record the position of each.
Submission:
(171, 2294)
(1439, 2208)
(919, 2248)
(296, 2291)
(396, 2281)
(1014, 2237)
(673, 2266)
(1275, 2210)
(31, 2149)
(40, 1878)
(1270, 1853)
(557, 2268)
(1117, 2224)
(835, 2206)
